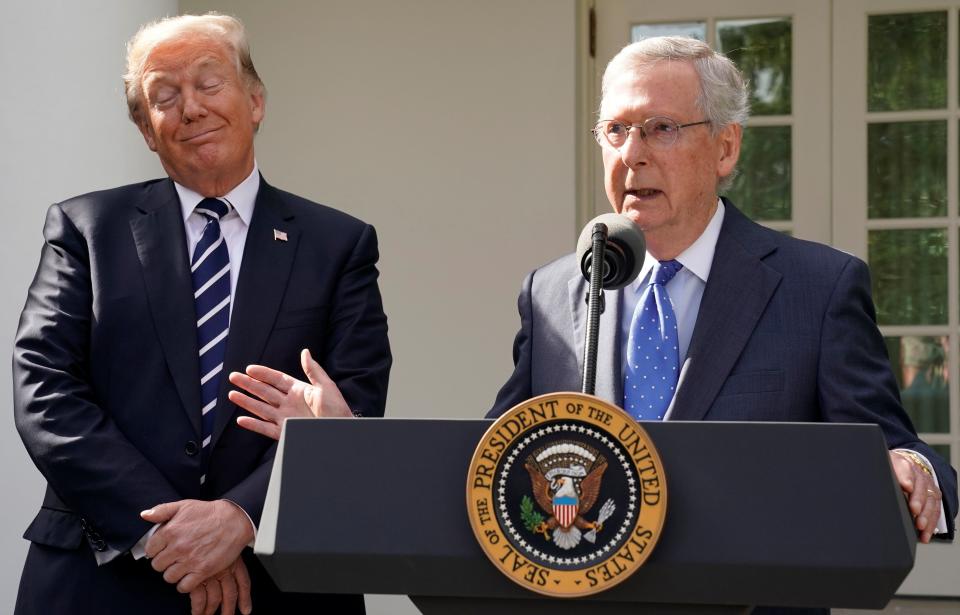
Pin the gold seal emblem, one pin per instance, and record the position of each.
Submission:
(566, 494)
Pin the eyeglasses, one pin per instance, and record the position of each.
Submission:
(657, 132)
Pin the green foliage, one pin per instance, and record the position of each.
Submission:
(909, 270)
(762, 190)
(762, 49)
(531, 518)
(907, 169)
(919, 363)
(907, 61)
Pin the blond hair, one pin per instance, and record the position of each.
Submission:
(223, 28)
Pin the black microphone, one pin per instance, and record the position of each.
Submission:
(619, 245)
(624, 254)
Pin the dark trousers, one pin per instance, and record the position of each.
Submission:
(69, 582)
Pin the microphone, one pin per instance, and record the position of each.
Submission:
(624, 254)
(619, 246)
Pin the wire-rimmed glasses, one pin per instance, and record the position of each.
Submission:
(658, 132)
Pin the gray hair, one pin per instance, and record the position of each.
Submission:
(723, 97)
(223, 28)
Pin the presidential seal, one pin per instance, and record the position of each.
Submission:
(566, 494)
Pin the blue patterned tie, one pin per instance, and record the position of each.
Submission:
(210, 268)
(653, 358)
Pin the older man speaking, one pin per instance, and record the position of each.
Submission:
(764, 327)
(146, 297)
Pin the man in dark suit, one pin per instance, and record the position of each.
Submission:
(145, 298)
(729, 320)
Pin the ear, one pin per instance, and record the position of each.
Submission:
(728, 142)
(147, 131)
(258, 105)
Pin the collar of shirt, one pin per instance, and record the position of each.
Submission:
(242, 198)
(697, 259)
(233, 226)
(685, 289)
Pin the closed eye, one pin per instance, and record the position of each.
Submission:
(210, 84)
(164, 97)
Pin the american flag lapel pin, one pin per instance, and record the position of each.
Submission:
(279, 235)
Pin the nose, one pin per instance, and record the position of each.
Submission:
(193, 108)
(634, 151)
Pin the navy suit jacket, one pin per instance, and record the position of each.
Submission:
(106, 375)
(786, 332)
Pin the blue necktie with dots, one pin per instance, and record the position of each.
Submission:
(653, 356)
(210, 269)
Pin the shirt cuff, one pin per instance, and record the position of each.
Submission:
(106, 556)
(254, 525)
(139, 550)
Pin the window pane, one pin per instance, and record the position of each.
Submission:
(693, 29)
(920, 364)
(762, 188)
(907, 61)
(909, 270)
(907, 169)
(761, 48)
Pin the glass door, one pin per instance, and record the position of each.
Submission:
(854, 141)
(896, 144)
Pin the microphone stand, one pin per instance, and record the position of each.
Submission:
(594, 307)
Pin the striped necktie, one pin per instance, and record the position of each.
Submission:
(210, 269)
(650, 377)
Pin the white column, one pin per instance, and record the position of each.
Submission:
(64, 132)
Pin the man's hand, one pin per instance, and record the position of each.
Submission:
(920, 488)
(196, 540)
(231, 588)
(279, 396)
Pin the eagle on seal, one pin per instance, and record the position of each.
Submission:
(566, 500)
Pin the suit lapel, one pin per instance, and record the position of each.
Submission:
(736, 294)
(261, 285)
(162, 248)
(608, 384)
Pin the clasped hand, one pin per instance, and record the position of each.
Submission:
(197, 547)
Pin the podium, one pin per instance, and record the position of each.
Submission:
(784, 514)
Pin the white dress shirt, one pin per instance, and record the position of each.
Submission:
(233, 226)
(685, 289)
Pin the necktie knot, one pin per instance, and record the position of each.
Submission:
(665, 270)
(212, 208)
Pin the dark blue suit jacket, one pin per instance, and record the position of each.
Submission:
(786, 332)
(106, 376)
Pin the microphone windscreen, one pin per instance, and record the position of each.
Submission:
(624, 253)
